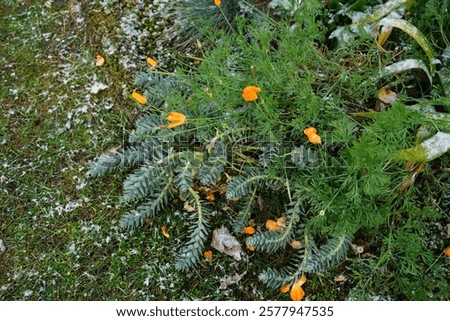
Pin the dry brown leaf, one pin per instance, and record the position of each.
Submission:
(188, 207)
(226, 243)
(229, 280)
(164, 231)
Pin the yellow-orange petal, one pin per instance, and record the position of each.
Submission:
(249, 230)
(249, 93)
(285, 288)
(302, 280)
(175, 119)
(208, 255)
(164, 231)
(297, 292)
(151, 62)
(271, 225)
(310, 131)
(315, 139)
(99, 61)
(217, 3)
(210, 197)
(139, 98)
(447, 252)
(250, 248)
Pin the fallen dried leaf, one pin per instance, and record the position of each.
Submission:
(188, 207)
(229, 280)
(226, 243)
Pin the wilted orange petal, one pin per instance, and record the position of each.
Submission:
(297, 292)
(211, 197)
(208, 255)
(217, 3)
(302, 280)
(447, 252)
(99, 61)
(164, 231)
(315, 139)
(249, 230)
(250, 248)
(152, 62)
(285, 288)
(271, 225)
(139, 98)
(387, 96)
(296, 244)
(249, 93)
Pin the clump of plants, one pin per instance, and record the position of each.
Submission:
(288, 141)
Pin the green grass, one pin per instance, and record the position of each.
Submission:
(61, 228)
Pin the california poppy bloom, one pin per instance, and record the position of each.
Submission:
(249, 93)
(311, 133)
(297, 292)
(152, 62)
(249, 230)
(139, 98)
(175, 119)
(217, 3)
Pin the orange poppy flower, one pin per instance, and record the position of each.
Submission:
(250, 248)
(311, 133)
(151, 62)
(210, 197)
(99, 61)
(297, 293)
(208, 255)
(139, 98)
(175, 119)
(249, 93)
(249, 230)
(217, 3)
(447, 252)
(285, 288)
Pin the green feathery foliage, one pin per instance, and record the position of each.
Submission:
(272, 241)
(192, 250)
